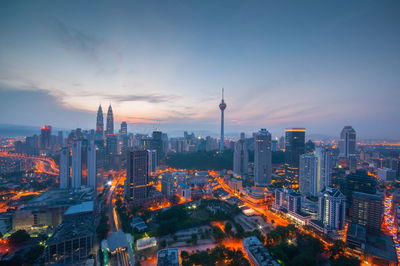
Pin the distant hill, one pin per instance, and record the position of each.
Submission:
(9, 130)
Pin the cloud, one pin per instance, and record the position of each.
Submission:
(72, 39)
(150, 98)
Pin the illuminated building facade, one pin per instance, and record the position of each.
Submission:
(294, 147)
(240, 157)
(45, 137)
(367, 211)
(331, 209)
(262, 158)
(314, 172)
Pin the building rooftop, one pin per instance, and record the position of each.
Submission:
(117, 240)
(73, 228)
(168, 257)
(381, 246)
(257, 250)
(356, 232)
(58, 197)
(366, 195)
(87, 206)
(183, 185)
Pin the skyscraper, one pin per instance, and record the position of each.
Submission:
(124, 128)
(240, 157)
(64, 168)
(222, 107)
(76, 180)
(262, 158)
(91, 166)
(347, 143)
(331, 209)
(157, 144)
(99, 124)
(137, 175)
(308, 175)
(294, 147)
(110, 121)
(314, 172)
(45, 137)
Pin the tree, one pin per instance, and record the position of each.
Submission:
(345, 261)
(194, 239)
(19, 237)
(228, 228)
(184, 255)
(163, 243)
(218, 234)
(33, 254)
(337, 248)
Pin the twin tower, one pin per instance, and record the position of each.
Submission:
(100, 122)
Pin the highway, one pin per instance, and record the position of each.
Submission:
(42, 164)
(122, 257)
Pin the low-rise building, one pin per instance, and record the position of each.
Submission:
(184, 191)
(257, 253)
(168, 257)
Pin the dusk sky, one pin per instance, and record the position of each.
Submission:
(314, 64)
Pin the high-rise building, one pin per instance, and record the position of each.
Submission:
(64, 168)
(324, 166)
(124, 128)
(137, 175)
(45, 137)
(110, 121)
(152, 161)
(91, 166)
(314, 172)
(308, 175)
(359, 181)
(262, 158)
(222, 107)
(167, 184)
(99, 124)
(347, 143)
(60, 138)
(76, 180)
(157, 144)
(367, 211)
(331, 209)
(240, 157)
(294, 147)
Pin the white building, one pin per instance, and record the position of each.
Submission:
(262, 158)
(64, 168)
(386, 174)
(331, 209)
(76, 181)
(314, 172)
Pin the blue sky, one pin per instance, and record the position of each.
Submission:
(315, 64)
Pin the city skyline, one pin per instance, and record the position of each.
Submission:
(316, 66)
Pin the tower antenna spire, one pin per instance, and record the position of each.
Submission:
(222, 93)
